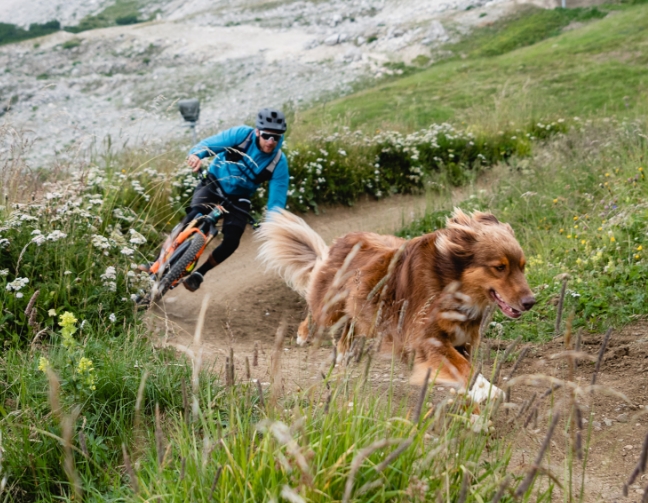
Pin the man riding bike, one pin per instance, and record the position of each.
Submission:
(244, 158)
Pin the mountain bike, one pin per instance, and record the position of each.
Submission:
(185, 245)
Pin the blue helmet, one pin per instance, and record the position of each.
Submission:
(270, 118)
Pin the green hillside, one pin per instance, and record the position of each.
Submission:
(599, 68)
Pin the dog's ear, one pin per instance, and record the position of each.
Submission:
(490, 219)
(485, 218)
(455, 244)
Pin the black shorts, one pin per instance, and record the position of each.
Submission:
(206, 196)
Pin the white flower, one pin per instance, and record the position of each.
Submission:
(342, 153)
(36, 232)
(4, 272)
(127, 251)
(17, 284)
(111, 273)
(67, 273)
(19, 295)
(112, 318)
(4, 242)
(100, 242)
(56, 235)
(136, 238)
(39, 239)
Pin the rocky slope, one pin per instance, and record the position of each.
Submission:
(71, 91)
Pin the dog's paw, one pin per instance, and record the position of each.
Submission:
(483, 390)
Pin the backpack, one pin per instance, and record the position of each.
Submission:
(236, 154)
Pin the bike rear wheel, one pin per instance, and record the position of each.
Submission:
(179, 268)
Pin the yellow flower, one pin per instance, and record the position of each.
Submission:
(43, 364)
(51, 312)
(637, 256)
(639, 248)
(85, 365)
(600, 228)
(555, 201)
(569, 236)
(575, 226)
(607, 174)
(612, 239)
(575, 218)
(583, 241)
(67, 319)
(561, 230)
(640, 169)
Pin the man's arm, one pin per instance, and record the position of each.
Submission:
(216, 144)
(278, 185)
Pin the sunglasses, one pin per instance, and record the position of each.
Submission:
(270, 136)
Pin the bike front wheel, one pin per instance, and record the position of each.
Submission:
(179, 268)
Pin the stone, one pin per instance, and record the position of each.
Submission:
(622, 418)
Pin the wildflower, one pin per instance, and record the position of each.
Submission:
(4, 272)
(101, 242)
(111, 273)
(51, 312)
(17, 284)
(575, 218)
(43, 364)
(56, 235)
(136, 238)
(19, 295)
(85, 365)
(612, 239)
(39, 239)
(639, 248)
(555, 200)
(112, 318)
(67, 273)
(561, 231)
(637, 256)
(67, 319)
(127, 251)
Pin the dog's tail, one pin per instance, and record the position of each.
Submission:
(291, 248)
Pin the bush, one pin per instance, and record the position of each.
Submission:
(10, 33)
(129, 19)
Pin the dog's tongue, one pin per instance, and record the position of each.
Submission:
(506, 309)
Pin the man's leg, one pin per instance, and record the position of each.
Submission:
(231, 238)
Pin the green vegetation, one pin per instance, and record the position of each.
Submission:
(10, 33)
(72, 43)
(599, 68)
(528, 26)
(121, 12)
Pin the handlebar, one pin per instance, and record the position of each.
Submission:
(205, 175)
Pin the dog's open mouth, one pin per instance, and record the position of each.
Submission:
(506, 309)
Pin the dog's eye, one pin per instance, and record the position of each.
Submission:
(500, 268)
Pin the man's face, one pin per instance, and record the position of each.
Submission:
(268, 140)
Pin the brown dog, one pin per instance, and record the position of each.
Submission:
(426, 295)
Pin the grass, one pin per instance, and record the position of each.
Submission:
(598, 69)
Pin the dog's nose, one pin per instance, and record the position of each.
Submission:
(528, 302)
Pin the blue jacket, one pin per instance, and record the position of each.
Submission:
(232, 176)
